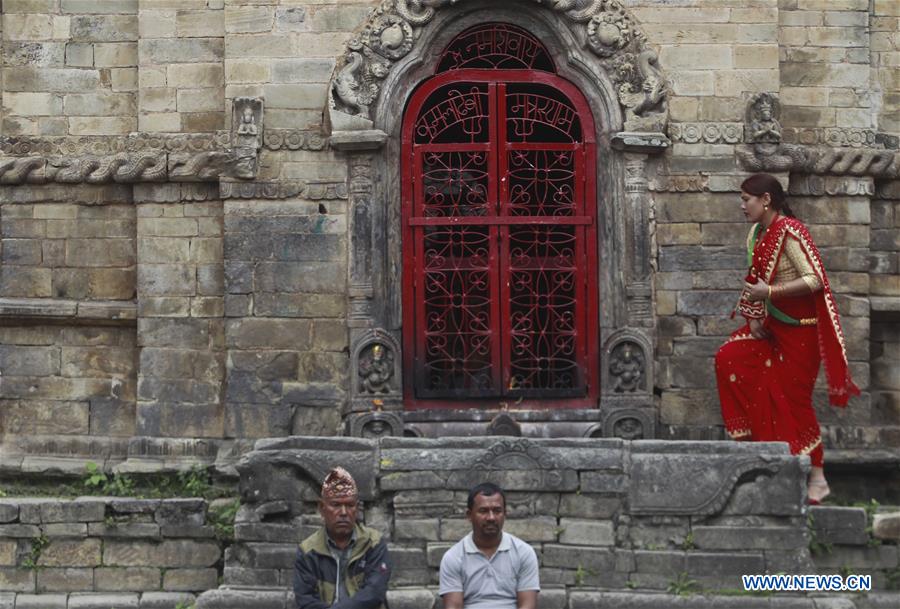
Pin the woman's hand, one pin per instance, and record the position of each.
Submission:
(758, 330)
(757, 291)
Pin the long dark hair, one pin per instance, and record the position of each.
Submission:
(761, 183)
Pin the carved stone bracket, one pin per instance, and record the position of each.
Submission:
(644, 143)
(375, 371)
(391, 32)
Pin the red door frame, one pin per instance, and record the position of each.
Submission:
(411, 174)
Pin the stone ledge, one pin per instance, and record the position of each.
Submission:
(107, 600)
(426, 598)
(885, 303)
(366, 139)
(67, 455)
(56, 308)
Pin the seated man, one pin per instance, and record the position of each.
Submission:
(344, 564)
(489, 569)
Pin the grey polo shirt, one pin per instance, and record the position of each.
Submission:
(490, 583)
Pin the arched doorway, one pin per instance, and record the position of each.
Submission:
(499, 224)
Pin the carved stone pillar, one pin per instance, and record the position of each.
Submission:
(641, 235)
(375, 356)
(360, 255)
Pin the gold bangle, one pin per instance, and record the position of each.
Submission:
(770, 292)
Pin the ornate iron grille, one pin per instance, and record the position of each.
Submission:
(500, 293)
(495, 46)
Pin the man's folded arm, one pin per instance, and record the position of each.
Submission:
(306, 585)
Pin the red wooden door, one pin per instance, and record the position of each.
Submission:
(499, 244)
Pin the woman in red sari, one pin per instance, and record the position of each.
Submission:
(767, 369)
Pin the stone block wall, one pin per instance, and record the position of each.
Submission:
(70, 67)
(181, 312)
(180, 57)
(66, 381)
(285, 331)
(229, 299)
(55, 248)
(125, 549)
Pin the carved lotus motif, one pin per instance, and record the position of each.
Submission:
(391, 37)
(607, 33)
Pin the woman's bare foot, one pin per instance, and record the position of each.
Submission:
(817, 490)
(817, 487)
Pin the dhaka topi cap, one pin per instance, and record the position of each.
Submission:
(338, 484)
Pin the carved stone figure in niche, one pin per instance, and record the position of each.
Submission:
(763, 124)
(376, 428)
(626, 367)
(248, 122)
(376, 368)
(628, 428)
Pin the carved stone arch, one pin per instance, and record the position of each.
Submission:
(388, 79)
(396, 27)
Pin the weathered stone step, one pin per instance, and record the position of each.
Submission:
(78, 600)
(555, 598)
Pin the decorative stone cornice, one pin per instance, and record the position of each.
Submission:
(139, 157)
(765, 150)
(313, 191)
(58, 308)
(294, 139)
(808, 159)
(815, 185)
(680, 183)
(393, 29)
(121, 167)
(888, 190)
(838, 137)
(107, 145)
(706, 133)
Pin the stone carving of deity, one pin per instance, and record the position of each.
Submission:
(764, 127)
(626, 367)
(376, 368)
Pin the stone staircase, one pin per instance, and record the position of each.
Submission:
(634, 525)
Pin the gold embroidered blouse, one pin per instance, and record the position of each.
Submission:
(793, 263)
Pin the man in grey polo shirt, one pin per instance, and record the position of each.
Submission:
(489, 569)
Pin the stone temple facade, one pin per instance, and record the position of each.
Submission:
(214, 227)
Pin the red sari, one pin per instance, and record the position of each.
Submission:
(766, 386)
